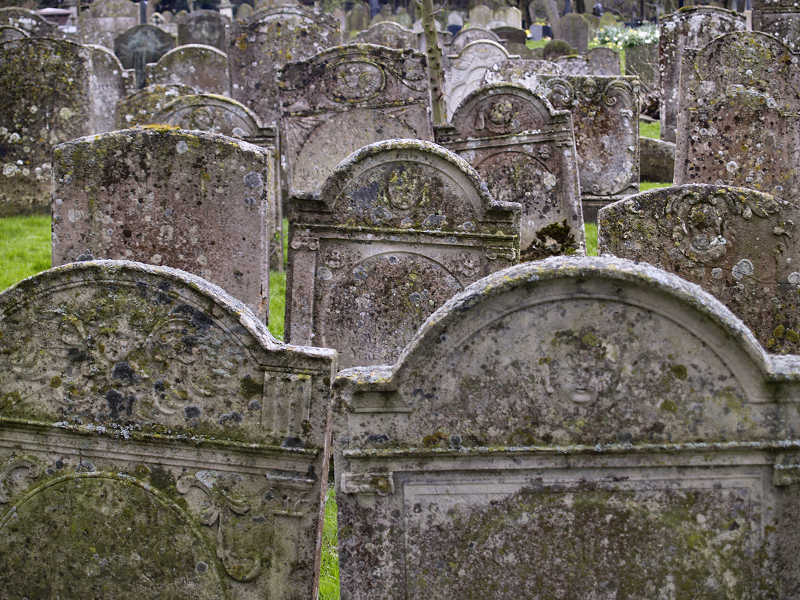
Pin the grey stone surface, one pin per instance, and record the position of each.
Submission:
(30, 22)
(266, 42)
(656, 160)
(604, 61)
(149, 419)
(689, 27)
(738, 244)
(527, 72)
(202, 68)
(741, 122)
(190, 200)
(104, 20)
(642, 62)
(480, 16)
(780, 18)
(398, 228)
(244, 12)
(141, 107)
(570, 428)
(574, 29)
(358, 16)
(389, 34)
(207, 27)
(212, 113)
(509, 16)
(343, 99)
(9, 33)
(525, 151)
(145, 41)
(471, 34)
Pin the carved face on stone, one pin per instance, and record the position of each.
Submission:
(584, 368)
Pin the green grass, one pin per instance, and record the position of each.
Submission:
(651, 130)
(651, 185)
(24, 247)
(591, 238)
(329, 571)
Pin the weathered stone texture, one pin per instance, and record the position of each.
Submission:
(656, 160)
(30, 22)
(571, 428)
(266, 42)
(525, 72)
(9, 33)
(642, 62)
(689, 27)
(144, 43)
(343, 99)
(736, 243)
(469, 35)
(104, 20)
(141, 107)
(203, 68)
(525, 151)
(398, 228)
(156, 441)
(741, 123)
(206, 27)
(212, 113)
(190, 200)
(389, 34)
(602, 62)
(466, 70)
(574, 30)
(780, 18)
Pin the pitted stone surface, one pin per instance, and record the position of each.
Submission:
(741, 125)
(206, 27)
(389, 34)
(212, 113)
(525, 72)
(736, 243)
(30, 22)
(202, 68)
(574, 30)
(267, 41)
(469, 35)
(141, 107)
(594, 63)
(156, 440)
(9, 33)
(398, 228)
(780, 18)
(689, 27)
(190, 200)
(656, 160)
(343, 99)
(570, 428)
(146, 41)
(466, 70)
(104, 20)
(525, 150)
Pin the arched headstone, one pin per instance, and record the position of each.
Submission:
(203, 68)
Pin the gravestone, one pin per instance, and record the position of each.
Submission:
(656, 160)
(141, 107)
(149, 418)
(265, 43)
(343, 99)
(480, 16)
(189, 200)
(526, 72)
(570, 428)
(741, 120)
(104, 20)
(575, 64)
(642, 62)
(402, 18)
(737, 244)
(575, 31)
(203, 68)
(471, 34)
(9, 33)
(30, 22)
(400, 227)
(244, 12)
(389, 34)
(690, 27)
(513, 35)
(358, 17)
(51, 91)
(141, 45)
(206, 27)
(508, 16)
(465, 71)
(780, 18)
(525, 151)
(455, 22)
(604, 62)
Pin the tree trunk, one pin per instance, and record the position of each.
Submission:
(435, 72)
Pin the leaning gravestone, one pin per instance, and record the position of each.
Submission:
(343, 99)
(780, 18)
(689, 27)
(466, 70)
(574, 30)
(389, 34)
(30, 22)
(738, 244)
(471, 34)
(203, 68)
(149, 419)
(51, 91)
(104, 20)
(525, 151)
(570, 428)
(206, 27)
(266, 42)
(741, 122)
(399, 227)
(191, 200)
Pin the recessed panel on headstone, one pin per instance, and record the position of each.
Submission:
(202, 68)
(206, 27)
(389, 34)
(156, 441)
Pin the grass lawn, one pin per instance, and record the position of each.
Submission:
(651, 130)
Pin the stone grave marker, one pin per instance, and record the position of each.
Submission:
(141, 107)
(480, 16)
(575, 64)
(141, 45)
(741, 122)
(401, 17)
(690, 27)
(527, 72)
(571, 428)
(149, 418)
(343, 99)
(736, 243)
(656, 160)
(510, 16)
(206, 27)
(642, 61)
(244, 12)
(389, 34)
(203, 68)
(9, 33)
(358, 17)
(104, 20)
(604, 61)
(30, 22)
(266, 42)
(471, 34)
(525, 151)
(190, 200)
(575, 30)
(455, 22)
(780, 18)
(399, 227)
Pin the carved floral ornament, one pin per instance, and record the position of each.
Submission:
(354, 81)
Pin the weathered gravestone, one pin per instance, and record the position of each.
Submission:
(141, 45)
(30, 22)
(358, 17)
(399, 227)
(203, 68)
(104, 20)
(604, 61)
(191, 200)
(141, 107)
(642, 61)
(780, 18)
(265, 43)
(465, 70)
(508, 16)
(525, 151)
(656, 160)
(51, 91)
(741, 119)
(526, 72)
(574, 30)
(571, 428)
(343, 99)
(9, 33)
(690, 27)
(156, 441)
(480, 16)
(206, 27)
(389, 34)
(581, 65)
(244, 12)
(471, 34)
(736, 243)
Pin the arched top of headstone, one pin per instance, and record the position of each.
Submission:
(9, 32)
(112, 8)
(204, 27)
(29, 21)
(409, 184)
(148, 40)
(210, 112)
(388, 33)
(279, 13)
(195, 49)
(201, 15)
(140, 107)
(571, 351)
(471, 34)
(687, 12)
(482, 47)
(142, 347)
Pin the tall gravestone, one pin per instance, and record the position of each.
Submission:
(51, 91)
(207, 27)
(389, 34)
(780, 18)
(741, 124)
(358, 17)
(525, 151)
(738, 244)
(689, 27)
(156, 441)
(570, 428)
(266, 42)
(202, 68)
(343, 99)
(398, 228)
(104, 20)
(190, 200)
(466, 70)
(574, 29)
